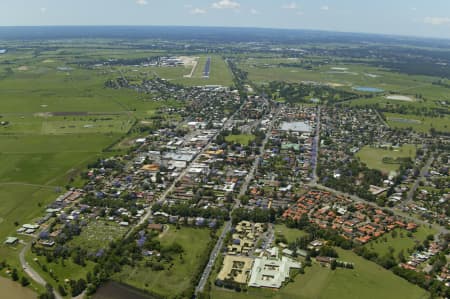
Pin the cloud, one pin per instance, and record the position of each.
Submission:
(43, 9)
(141, 2)
(325, 7)
(254, 11)
(197, 11)
(291, 5)
(414, 8)
(436, 20)
(226, 4)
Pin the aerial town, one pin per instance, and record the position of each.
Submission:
(151, 163)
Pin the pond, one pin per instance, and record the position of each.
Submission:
(367, 89)
(12, 290)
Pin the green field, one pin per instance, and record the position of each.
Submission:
(291, 234)
(373, 157)
(243, 139)
(418, 123)
(176, 279)
(367, 280)
(400, 242)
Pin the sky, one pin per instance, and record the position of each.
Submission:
(429, 18)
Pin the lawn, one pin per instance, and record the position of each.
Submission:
(373, 157)
(243, 139)
(400, 242)
(176, 279)
(367, 280)
(291, 234)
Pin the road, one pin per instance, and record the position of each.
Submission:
(31, 272)
(423, 172)
(315, 148)
(212, 258)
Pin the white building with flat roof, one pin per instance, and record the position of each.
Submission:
(271, 273)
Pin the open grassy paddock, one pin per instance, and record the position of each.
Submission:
(291, 234)
(373, 157)
(401, 242)
(174, 279)
(243, 139)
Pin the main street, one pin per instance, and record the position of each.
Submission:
(227, 227)
(172, 186)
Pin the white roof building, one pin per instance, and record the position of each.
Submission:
(270, 273)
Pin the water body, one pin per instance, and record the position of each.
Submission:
(367, 89)
(12, 290)
(115, 290)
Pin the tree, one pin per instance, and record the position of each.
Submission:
(333, 264)
(62, 290)
(24, 281)
(14, 275)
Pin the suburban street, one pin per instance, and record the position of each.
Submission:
(423, 172)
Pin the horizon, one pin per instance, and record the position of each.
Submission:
(386, 35)
(402, 18)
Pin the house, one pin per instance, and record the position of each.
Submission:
(11, 240)
(325, 260)
(156, 227)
